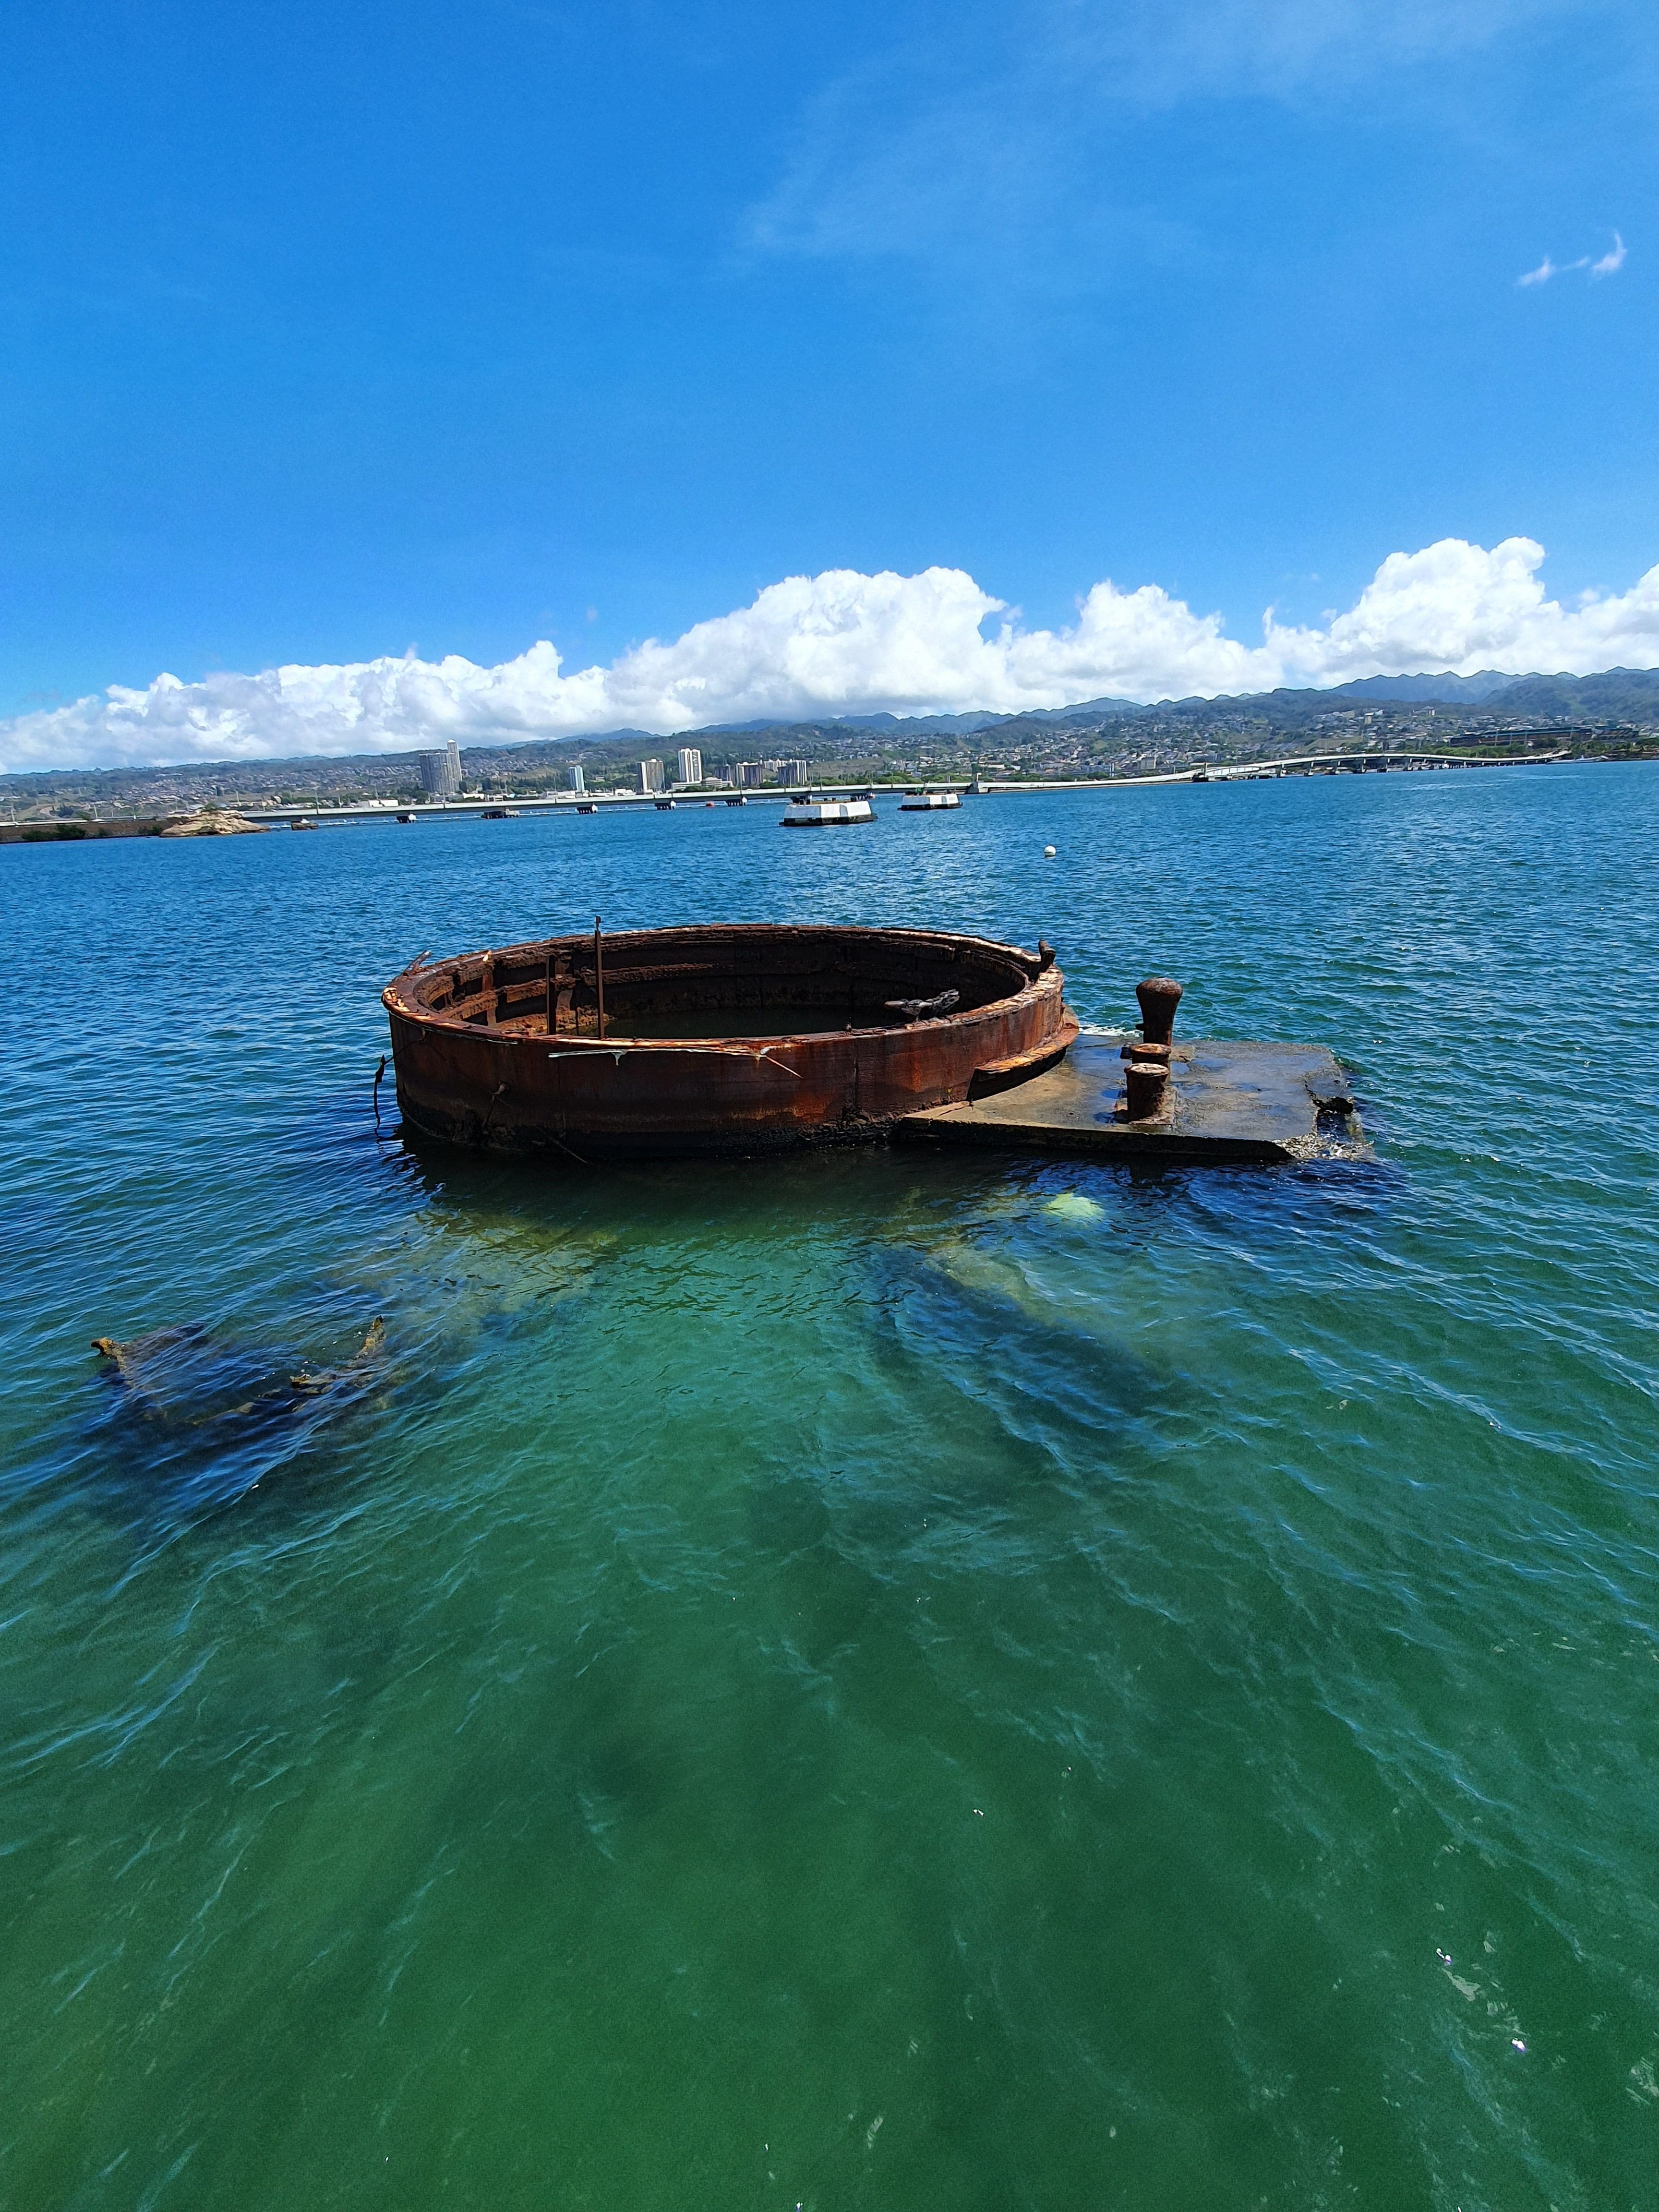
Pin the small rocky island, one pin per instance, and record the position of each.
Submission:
(210, 822)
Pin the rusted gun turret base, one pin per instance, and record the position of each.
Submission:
(739, 1037)
(1262, 1103)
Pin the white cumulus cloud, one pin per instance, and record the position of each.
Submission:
(843, 642)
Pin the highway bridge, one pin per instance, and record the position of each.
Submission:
(597, 802)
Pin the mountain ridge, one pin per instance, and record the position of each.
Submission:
(1611, 693)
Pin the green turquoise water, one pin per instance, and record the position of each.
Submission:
(876, 1680)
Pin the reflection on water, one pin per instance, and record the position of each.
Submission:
(877, 1679)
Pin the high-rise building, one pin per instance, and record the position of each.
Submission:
(651, 775)
(749, 774)
(795, 771)
(441, 772)
(690, 764)
(577, 780)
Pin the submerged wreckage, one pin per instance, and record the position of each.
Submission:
(750, 1038)
(209, 1418)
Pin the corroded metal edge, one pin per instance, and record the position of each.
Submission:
(495, 1078)
(1147, 1140)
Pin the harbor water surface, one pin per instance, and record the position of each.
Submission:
(872, 1680)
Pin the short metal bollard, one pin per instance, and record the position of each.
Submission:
(1159, 996)
(1147, 1088)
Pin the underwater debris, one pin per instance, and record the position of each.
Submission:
(143, 1366)
(329, 1378)
(220, 1416)
(171, 1370)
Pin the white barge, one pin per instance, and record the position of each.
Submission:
(827, 813)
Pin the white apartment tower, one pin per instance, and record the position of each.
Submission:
(651, 775)
(441, 772)
(690, 764)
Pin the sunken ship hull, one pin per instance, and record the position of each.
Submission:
(730, 1039)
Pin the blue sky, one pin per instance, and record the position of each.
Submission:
(332, 332)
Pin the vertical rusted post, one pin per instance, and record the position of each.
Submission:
(599, 974)
(1146, 1090)
(552, 1010)
(1159, 997)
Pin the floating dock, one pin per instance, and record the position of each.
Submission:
(1264, 1103)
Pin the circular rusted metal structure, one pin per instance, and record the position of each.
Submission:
(732, 1038)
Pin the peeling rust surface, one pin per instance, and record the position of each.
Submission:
(734, 1038)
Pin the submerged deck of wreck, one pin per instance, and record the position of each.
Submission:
(1227, 1102)
(734, 1038)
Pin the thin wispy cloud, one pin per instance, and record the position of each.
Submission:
(942, 150)
(1609, 265)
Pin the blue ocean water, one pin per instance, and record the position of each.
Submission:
(881, 1679)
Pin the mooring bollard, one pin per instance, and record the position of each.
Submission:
(1146, 1085)
(1159, 997)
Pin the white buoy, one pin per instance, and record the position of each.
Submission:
(1048, 852)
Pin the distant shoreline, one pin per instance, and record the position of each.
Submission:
(1270, 769)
